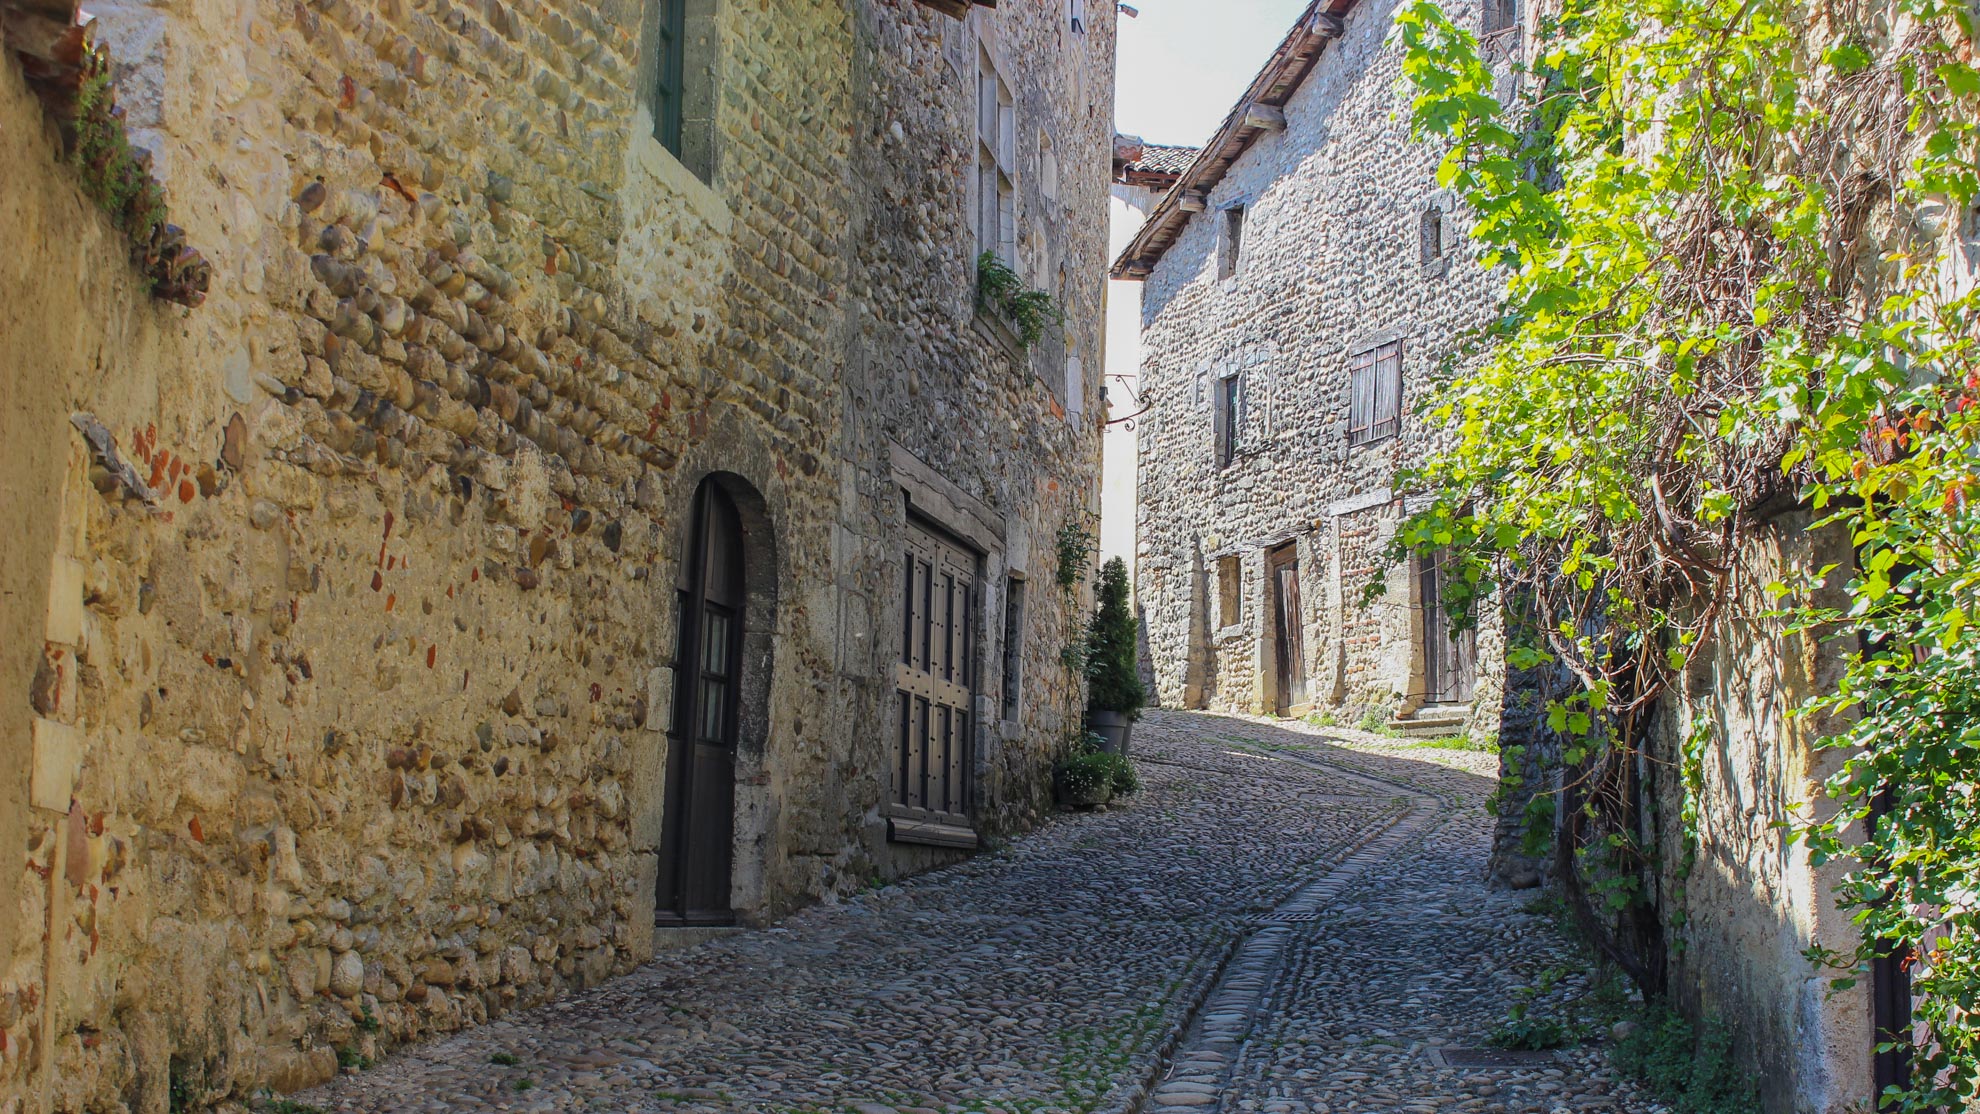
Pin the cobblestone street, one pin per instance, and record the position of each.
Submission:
(1277, 922)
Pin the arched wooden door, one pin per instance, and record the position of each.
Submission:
(699, 823)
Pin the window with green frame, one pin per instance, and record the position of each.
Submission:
(671, 75)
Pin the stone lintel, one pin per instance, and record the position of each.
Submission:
(1355, 504)
(952, 508)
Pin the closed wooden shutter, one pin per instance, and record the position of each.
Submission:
(1375, 394)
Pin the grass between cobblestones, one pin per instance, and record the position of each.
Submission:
(1688, 1066)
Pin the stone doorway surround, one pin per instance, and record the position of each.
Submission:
(930, 497)
(735, 457)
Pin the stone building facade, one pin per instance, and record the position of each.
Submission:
(343, 621)
(1304, 279)
(1143, 172)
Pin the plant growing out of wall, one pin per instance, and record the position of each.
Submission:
(1001, 291)
(116, 176)
(1701, 328)
(1112, 673)
(1077, 544)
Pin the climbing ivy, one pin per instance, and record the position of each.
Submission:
(1722, 226)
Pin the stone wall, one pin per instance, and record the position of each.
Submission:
(347, 729)
(1330, 265)
(1744, 902)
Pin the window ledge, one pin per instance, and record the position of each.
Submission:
(1372, 442)
(1226, 634)
(930, 833)
(999, 332)
(661, 165)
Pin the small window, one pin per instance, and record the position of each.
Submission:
(1375, 394)
(1230, 591)
(684, 82)
(669, 94)
(1076, 15)
(1432, 236)
(1048, 169)
(1013, 647)
(1230, 242)
(996, 154)
(1228, 417)
(1499, 15)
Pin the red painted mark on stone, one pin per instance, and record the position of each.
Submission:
(474, 575)
(597, 692)
(187, 491)
(450, 591)
(387, 540)
(377, 581)
(391, 182)
(391, 602)
(198, 833)
(346, 92)
(432, 655)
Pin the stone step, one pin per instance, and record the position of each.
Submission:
(1435, 721)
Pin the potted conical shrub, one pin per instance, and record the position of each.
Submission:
(1114, 690)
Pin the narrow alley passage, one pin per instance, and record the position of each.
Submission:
(1275, 923)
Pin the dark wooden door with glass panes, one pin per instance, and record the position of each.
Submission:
(699, 824)
(1450, 657)
(934, 690)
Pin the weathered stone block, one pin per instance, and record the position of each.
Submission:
(58, 755)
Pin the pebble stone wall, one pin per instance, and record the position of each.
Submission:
(337, 712)
(1331, 265)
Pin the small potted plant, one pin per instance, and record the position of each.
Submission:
(1114, 690)
(1086, 780)
(1089, 777)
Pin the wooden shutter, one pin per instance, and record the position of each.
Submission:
(1375, 394)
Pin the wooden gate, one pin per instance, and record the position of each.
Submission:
(935, 690)
(699, 824)
(1282, 570)
(1450, 660)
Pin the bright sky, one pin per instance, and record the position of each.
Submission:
(1184, 62)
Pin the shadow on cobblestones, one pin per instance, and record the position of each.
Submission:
(1055, 974)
